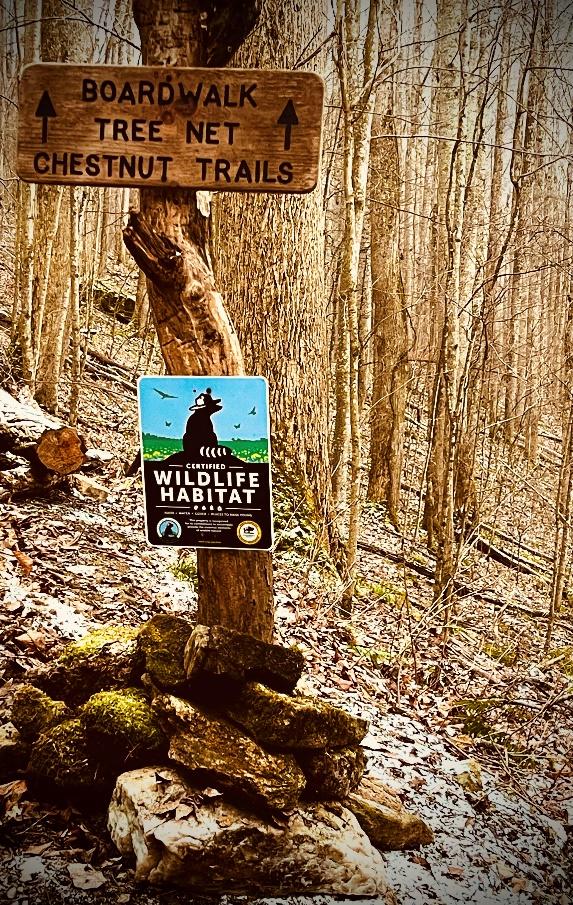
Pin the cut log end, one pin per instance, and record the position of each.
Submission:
(61, 450)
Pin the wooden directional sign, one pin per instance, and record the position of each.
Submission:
(224, 129)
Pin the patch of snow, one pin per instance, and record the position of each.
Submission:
(65, 618)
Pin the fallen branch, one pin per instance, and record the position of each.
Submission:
(397, 558)
(37, 450)
(22, 423)
(101, 371)
(516, 543)
(106, 360)
(505, 558)
(19, 478)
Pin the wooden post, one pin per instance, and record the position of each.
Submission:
(168, 240)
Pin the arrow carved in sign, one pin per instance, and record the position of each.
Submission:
(288, 119)
(45, 110)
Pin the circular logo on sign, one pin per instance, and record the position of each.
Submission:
(249, 532)
(169, 529)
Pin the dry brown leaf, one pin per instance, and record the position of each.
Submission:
(37, 849)
(25, 562)
(342, 683)
(9, 538)
(225, 821)
(504, 870)
(464, 741)
(11, 794)
(33, 638)
(455, 871)
(183, 811)
(14, 607)
(211, 793)
(85, 877)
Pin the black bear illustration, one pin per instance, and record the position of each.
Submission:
(199, 431)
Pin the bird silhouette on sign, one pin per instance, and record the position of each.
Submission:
(236, 426)
(168, 424)
(253, 410)
(164, 395)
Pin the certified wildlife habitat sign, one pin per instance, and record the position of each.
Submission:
(206, 461)
(224, 129)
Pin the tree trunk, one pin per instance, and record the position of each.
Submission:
(356, 67)
(75, 218)
(22, 423)
(64, 38)
(492, 320)
(168, 240)
(390, 327)
(24, 252)
(445, 420)
(141, 310)
(280, 311)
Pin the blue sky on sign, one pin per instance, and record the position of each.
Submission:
(244, 401)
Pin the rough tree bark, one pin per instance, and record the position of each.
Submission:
(63, 38)
(390, 326)
(281, 311)
(36, 450)
(444, 417)
(356, 69)
(168, 240)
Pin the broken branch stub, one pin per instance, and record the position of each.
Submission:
(156, 255)
(194, 329)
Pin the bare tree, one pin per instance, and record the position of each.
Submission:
(390, 325)
(269, 260)
(357, 68)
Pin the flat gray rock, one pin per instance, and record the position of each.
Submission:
(197, 840)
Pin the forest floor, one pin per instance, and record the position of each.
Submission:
(476, 735)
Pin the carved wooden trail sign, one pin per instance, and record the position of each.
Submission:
(214, 129)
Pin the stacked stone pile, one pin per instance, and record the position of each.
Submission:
(223, 778)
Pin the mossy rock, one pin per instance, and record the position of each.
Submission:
(121, 727)
(96, 642)
(388, 825)
(33, 712)
(60, 761)
(288, 722)
(333, 773)
(218, 652)
(104, 659)
(162, 643)
(218, 754)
